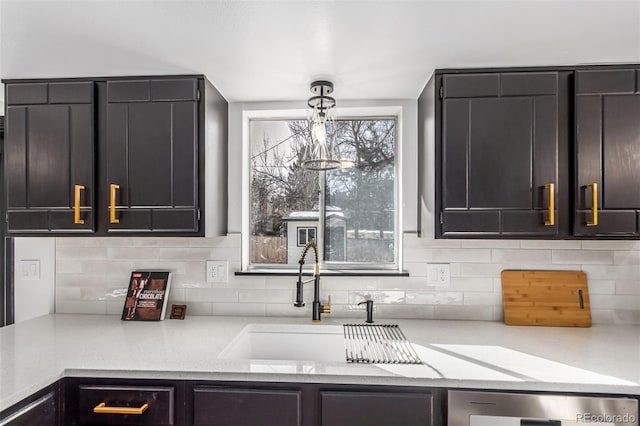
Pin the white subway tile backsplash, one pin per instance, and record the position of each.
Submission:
(521, 256)
(582, 256)
(238, 309)
(461, 255)
(601, 286)
(611, 272)
(611, 301)
(405, 283)
(610, 245)
(626, 257)
(211, 295)
(416, 269)
(631, 286)
(68, 252)
(471, 284)
(403, 311)
(287, 310)
(475, 313)
(481, 269)
(490, 299)
(200, 308)
(434, 298)
(379, 297)
(551, 244)
(93, 273)
(267, 296)
(505, 244)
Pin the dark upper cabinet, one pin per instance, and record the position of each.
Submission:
(113, 156)
(150, 154)
(49, 157)
(501, 155)
(607, 153)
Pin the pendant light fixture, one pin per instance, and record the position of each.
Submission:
(322, 151)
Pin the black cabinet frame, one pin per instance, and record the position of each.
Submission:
(99, 194)
(569, 205)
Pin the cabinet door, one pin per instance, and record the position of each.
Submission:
(218, 406)
(375, 409)
(607, 193)
(39, 412)
(502, 157)
(49, 157)
(122, 405)
(151, 155)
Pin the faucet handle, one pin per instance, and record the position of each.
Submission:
(326, 309)
(369, 304)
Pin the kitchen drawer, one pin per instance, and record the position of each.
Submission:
(159, 400)
(342, 408)
(222, 406)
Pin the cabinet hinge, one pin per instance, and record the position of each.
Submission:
(198, 214)
(197, 94)
(441, 218)
(441, 91)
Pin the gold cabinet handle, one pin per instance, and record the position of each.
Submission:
(594, 205)
(76, 205)
(103, 409)
(551, 221)
(112, 203)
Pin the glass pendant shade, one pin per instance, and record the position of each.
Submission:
(322, 153)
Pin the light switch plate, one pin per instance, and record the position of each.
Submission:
(217, 271)
(30, 269)
(438, 275)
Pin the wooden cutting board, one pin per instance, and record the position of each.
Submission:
(550, 298)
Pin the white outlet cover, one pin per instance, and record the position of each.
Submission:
(217, 271)
(438, 275)
(30, 269)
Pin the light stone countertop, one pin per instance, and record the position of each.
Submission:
(463, 354)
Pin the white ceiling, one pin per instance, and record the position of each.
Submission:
(271, 50)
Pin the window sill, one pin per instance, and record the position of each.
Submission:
(282, 273)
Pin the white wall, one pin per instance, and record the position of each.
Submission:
(34, 296)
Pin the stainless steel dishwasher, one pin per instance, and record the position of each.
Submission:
(467, 408)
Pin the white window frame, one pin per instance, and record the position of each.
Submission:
(306, 234)
(341, 113)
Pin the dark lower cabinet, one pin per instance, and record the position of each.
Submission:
(40, 409)
(607, 157)
(122, 402)
(97, 401)
(227, 406)
(381, 408)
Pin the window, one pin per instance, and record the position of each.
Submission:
(306, 235)
(352, 213)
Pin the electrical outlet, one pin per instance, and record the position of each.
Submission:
(217, 271)
(438, 275)
(30, 269)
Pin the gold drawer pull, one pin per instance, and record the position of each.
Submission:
(76, 205)
(103, 409)
(112, 203)
(551, 221)
(594, 205)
